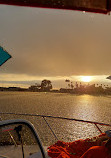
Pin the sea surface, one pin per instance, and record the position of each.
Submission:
(85, 107)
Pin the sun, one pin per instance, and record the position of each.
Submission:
(86, 78)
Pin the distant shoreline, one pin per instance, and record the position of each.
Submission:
(58, 92)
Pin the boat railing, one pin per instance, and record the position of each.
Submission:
(58, 117)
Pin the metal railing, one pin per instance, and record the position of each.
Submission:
(62, 118)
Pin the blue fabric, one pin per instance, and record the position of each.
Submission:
(4, 56)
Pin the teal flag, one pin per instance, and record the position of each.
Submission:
(4, 56)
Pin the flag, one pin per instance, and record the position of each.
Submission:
(4, 56)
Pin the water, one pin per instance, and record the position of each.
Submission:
(86, 107)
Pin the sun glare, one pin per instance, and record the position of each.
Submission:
(86, 78)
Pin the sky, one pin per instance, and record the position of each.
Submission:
(55, 45)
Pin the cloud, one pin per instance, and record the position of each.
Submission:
(46, 42)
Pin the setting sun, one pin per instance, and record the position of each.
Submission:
(86, 78)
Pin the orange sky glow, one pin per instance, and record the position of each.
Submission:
(54, 44)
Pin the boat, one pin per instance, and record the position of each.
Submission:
(74, 149)
(13, 134)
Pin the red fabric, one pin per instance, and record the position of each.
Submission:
(71, 149)
(96, 152)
